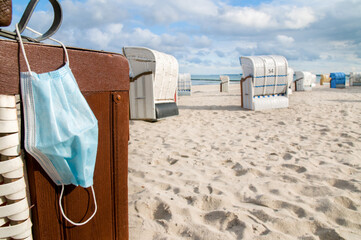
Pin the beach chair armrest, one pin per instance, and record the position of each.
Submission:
(132, 79)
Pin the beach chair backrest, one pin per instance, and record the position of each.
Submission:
(269, 73)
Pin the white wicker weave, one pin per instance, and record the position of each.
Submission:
(15, 221)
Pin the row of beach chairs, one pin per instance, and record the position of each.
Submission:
(267, 82)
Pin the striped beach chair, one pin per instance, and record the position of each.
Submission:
(338, 80)
(184, 84)
(355, 79)
(153, 83)
(264, 84)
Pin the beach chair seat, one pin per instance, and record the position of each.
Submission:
(338, 80)
(224, 85)
(264, 84)
(325, 78)
(304, 81)
(184, 84)
(355, 79)
(153, 83)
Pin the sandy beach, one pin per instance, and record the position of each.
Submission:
(217, 171)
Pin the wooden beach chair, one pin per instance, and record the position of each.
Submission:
(338, 80)
(304, 81)
(153, 83)
(325, 78)
(224, 85)
(184, 84)
(264, 84)
(355, 79)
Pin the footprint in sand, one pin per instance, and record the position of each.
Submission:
(296, 168)
(343, 184)
(226, 221)
(162, 212)
(171, 160)
(346, 202)
(327, 234)
(238, 169)
(287, 156)
(252, 188)
(261, 215)
(176, 190)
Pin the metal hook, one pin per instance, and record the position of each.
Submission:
(26, 17)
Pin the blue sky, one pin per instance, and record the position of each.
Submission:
(209, 36)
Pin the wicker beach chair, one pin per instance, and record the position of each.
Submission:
(304, 81)
(184, 84)
(153, 83)
(264, 84)
(224, 85)
(355, 79)
(325, 78)
(338, 80)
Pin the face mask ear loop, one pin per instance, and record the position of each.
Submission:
(62, 211)
(66, 52)
(22, 47)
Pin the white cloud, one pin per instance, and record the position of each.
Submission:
(245, 16)
(283, 39)
(298, 18)
(202, 42)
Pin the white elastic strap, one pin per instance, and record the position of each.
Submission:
(62, 211)
(66, 52)
(22, 47)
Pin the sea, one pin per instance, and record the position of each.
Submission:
(234, 79)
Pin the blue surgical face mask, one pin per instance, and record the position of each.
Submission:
(61, 131)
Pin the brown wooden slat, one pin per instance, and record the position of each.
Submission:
(79, 201)
(44, 198)
(120, 167)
